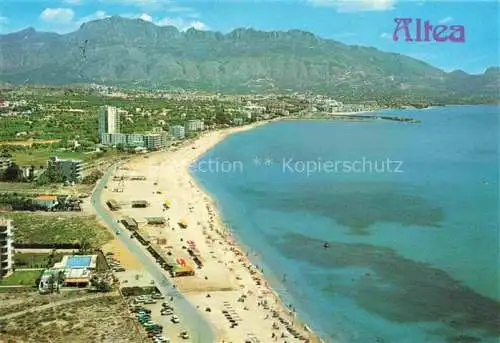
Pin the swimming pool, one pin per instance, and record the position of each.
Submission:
(79, 261)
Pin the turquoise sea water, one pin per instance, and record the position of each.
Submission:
(413, 255)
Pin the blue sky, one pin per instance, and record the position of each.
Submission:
(360, 22)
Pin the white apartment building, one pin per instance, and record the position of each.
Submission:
(71, 169)
(195, 125)
(109, 120)
(178, 131)
(6, 247)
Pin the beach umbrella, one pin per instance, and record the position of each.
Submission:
(166, 203)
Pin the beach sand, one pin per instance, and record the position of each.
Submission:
(227, 280)
(121, 253)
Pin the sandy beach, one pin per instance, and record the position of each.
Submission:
(227, 284)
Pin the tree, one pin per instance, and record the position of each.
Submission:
(13, 173)
(59, 279)
(103, 286)
(221, 116)
(120, 147)
(5, 153)
(92, 177)
(51, 175)
(100, 285)
(85, 246)
(50, 283)
(31, 173)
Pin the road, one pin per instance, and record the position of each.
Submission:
(198, 328)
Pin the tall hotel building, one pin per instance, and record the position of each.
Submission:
(6, 247)
(109, 133)
(109, 121)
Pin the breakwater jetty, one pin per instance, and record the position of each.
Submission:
(356, 117)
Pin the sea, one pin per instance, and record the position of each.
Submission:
(372, 231)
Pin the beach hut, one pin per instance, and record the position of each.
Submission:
(183, 223)
(140, 204)
(142, 237)
(196, 257)
(156, 220)
(129, 223)
(113, 205)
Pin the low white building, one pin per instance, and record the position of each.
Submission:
(72, 271)
(5, 163)
(72, 170)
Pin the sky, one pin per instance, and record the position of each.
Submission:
(353, 22)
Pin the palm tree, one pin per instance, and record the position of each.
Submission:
(85, 245)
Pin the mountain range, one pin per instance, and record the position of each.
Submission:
(133, 52)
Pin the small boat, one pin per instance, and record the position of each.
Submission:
(326, 245)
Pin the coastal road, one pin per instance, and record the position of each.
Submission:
(199, 329)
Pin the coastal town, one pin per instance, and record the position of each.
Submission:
(98, 204)
(310, 171)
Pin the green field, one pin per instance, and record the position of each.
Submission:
(36, 228)
(21, 278)
(39, 157)
(36, 260)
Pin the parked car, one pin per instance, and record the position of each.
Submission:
(154, 330)
(184, 334)
(175, 319)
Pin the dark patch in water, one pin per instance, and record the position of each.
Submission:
(463, 339)
(354, 205)
(418, 292)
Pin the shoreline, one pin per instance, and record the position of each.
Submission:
(298, 321)
(230, 274)
(227, 234)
